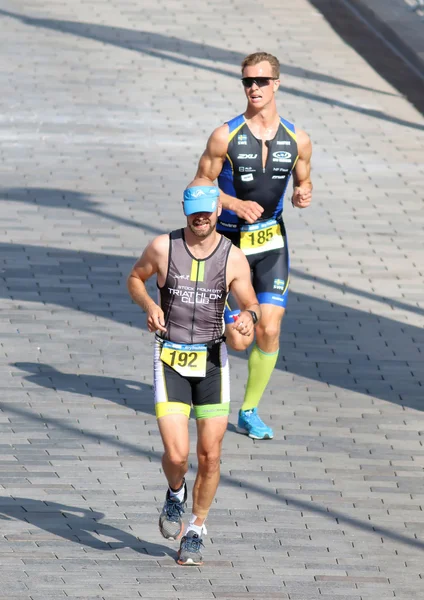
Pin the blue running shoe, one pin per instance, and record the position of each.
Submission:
(189, 553)
(250, 423)
(170, 520)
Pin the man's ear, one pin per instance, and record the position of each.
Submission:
(219, 209)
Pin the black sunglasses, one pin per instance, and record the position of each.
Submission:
(260, 81)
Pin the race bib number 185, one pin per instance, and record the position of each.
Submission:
(261, 237)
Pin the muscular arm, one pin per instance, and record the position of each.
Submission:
(302, 184)
(210, 166)
(149, 264)
(241, 287)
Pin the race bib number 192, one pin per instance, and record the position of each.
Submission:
(188, 360)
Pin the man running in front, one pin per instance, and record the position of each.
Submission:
(253, 157)
(195, 268)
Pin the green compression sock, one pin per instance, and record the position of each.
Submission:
(261, 365)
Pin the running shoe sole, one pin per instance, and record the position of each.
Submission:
(190, 563)
(172, 538)
(252, 436)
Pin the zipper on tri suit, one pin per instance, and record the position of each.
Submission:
(195, 299)
(267, 156)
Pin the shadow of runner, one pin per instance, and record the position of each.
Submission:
(69, 199)
(78, 525)
(131, 393)
(327, 512)
(322, 340)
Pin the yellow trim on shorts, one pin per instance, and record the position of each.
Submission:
(172, 408)
(209, 411)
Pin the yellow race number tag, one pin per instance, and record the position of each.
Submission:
(188, 360)
(261, 237)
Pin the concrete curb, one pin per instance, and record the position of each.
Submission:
(397, 24)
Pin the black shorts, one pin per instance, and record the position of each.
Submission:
(176, 393)
(270, 273)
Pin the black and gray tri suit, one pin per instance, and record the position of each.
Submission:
(243, 176)
(193, 299)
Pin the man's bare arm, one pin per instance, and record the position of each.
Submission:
(210, 166)
(147, 266)
(302, 184)
(241, 287)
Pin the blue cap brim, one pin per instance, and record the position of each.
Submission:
(200, 199)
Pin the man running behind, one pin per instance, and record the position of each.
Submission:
(253, 157)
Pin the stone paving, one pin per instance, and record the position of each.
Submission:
(106, 107)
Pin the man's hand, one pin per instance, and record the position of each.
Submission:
(302, 196)
(243, 323)
(155, 318)
(247, 209)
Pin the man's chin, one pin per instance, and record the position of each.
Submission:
(201, 233)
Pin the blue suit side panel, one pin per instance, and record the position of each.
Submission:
(226, 181)
(226, 184)
(279, 209)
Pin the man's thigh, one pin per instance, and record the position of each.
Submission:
(270, 278)
(211, 394)
(210, 433)
(174, 433)
(172, 391)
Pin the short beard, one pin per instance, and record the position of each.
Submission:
(202, 234)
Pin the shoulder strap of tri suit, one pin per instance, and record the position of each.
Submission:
(289, 127)
(177, 234)
(235, 125)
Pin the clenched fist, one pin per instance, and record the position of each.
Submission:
(302, 196)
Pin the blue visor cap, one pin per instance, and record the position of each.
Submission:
(202, 198)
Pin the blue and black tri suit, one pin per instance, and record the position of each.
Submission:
(243, 176)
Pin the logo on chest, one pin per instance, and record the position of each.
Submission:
(247, 156)
(248, 177)
(281, 156)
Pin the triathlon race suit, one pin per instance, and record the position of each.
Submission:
(190, 359)
(243, 176)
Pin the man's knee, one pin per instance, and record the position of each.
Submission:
(268, 330)
(176, 457)
(209, 461)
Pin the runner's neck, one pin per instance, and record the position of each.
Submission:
(201, 248)
(264, 124)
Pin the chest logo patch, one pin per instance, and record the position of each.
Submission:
(248, 156)
(281, 156)
(248, 177)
